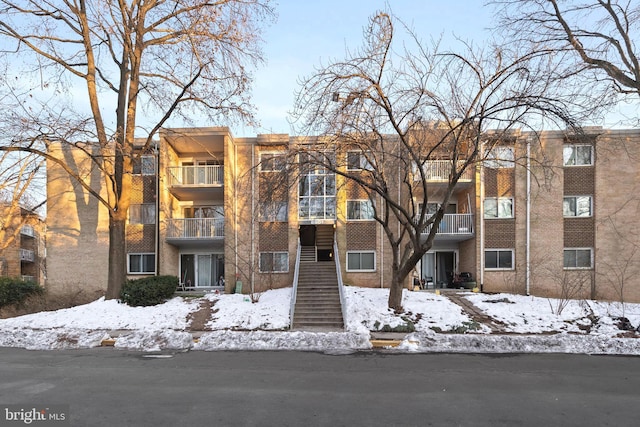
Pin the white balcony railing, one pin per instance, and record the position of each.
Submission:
(28, 278)
(27, 255)
(460, 224)
(196, 175)
(195, 228)
(28, 230)
(439, 170)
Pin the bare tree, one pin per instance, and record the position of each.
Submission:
(594, 37)
(114, 61)
(406, 109)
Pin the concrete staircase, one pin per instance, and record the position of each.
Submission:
(318, 298)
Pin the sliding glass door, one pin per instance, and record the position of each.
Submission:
(201, 270)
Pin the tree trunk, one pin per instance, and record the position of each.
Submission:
(395, 292)
(117, 257)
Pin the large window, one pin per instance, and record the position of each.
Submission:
(498, 259)
(274, 262)
(144, 165)
(577, 155)
(141, 263)
(317, 196)
(272, 162)
(500, 157)
(358, 160)
(142, 214)
(578, 258)
(361, 261)
(498, 207)
(273, 211)
(576, 206)
(359, 210)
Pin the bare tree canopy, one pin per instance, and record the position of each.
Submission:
(409, 107)
(600, 35)
(93, 68)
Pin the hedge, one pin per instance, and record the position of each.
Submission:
(15, 291)
(149, 290)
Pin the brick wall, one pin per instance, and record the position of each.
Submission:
(361, 235)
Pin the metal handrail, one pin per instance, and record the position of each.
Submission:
(454, 224)
(439, 170)
(195, 228)
(196, 175)
(294, 292)
(336, 258)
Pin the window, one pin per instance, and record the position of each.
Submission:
(577, 155)
(357, 160)
(498, 207)
(272, 162)
(317, 198)
(274, 262)
(498, 259)
(142, 263)
(577, 258)
(500, 157)
(359, 210)
(361, 261)
(273, 211)
(576, 206)
(142, 214)
(144, 165)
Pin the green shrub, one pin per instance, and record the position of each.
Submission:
(149, 290)
(16, 291)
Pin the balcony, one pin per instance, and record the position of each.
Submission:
(28, 278)
(195, 182)
(454, 227)
(27, 255)
(195, 232)
(437, 171)
(27, 230)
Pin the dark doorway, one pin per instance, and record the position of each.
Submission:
(307, 235)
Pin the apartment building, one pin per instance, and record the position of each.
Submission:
(547, 214)
(22, 244)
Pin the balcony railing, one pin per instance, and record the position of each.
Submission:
(439, 170)
(195, 228)
(455, 224)
(27, 255)
(28, 230)
(28, 278)
(196, 175)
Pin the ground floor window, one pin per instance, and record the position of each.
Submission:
(274, 262)
(361, 261)
(498, 259)
(141, 263)
(578, 258)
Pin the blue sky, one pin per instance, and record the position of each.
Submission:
(311, 32)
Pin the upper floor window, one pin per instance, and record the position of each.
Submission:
(144, 165)
(142, 214)
(358, 160)
(500, 157)
(577, 155)
(273, 211)
(498, 207)
(359, 210)
(272, 162)
(578, 258)
(576, 206)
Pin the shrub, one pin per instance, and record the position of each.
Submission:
(16, 291)
(149, 290)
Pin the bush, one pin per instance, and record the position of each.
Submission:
(149, 290)
(16, 291)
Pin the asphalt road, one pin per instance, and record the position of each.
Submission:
(108, 387)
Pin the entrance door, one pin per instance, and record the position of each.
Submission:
(307, 235)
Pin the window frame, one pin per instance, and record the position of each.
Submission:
(498, 267)
(273, 155)
(363, 162)
(361, 270)
(564, 215)
(574, 147)
(495, 159)
(144, 171)
(272, 253)
(497, 199)
(576, 267)
(360, 210)
(140, 218)
(142, 264)
(267, 209)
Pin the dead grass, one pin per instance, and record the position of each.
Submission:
(49, 302)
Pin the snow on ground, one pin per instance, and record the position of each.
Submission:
(236, 323)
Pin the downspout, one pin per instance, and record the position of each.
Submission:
(528, 225)
(235, 207)
(481, 214)
(253, 216)
(157, 171)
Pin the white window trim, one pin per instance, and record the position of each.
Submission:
(349, 270)
(271, 153)
(578, 216)
(139, 272)
(358, 219)
(513, 264)
(574, 146)
(578, 249)
(271, 271)
(497, 199)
